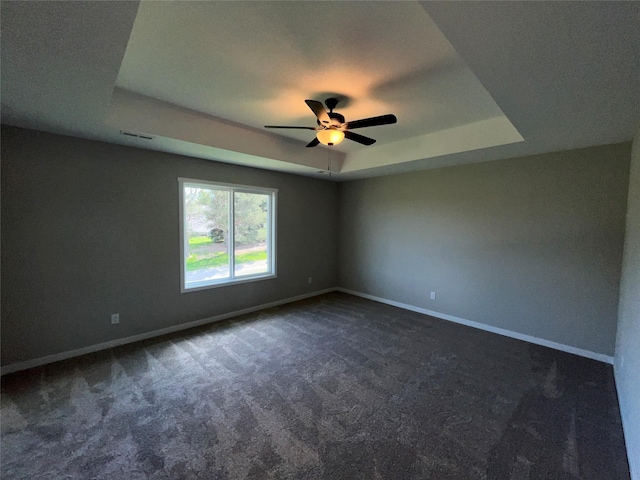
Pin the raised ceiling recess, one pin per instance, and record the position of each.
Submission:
(252, 64)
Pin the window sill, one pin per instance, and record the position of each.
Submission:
(196, 286)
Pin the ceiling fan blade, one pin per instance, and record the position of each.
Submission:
(320, 112)
(281, 126)
(313, 143)
(371, 122)
(359, 138)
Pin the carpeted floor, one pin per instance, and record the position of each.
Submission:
(335, 387)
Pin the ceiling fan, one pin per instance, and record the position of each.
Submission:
(332, 128)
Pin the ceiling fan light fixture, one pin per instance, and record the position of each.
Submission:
(330, 136)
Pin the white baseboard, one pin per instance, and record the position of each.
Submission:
(633, 456)
(500, 331)
(16, 367)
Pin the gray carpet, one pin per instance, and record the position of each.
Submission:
(334, 387)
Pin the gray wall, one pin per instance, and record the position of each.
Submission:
(90, 229)
(532, 245)
(627, 359)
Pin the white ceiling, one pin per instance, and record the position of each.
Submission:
(468, 82)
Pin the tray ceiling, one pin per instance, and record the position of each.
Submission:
(468, 82)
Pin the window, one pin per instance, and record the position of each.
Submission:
(227, 233)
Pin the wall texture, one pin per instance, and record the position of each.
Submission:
(90, 229)
(627, 359)
(532, 245)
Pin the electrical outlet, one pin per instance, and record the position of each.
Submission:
(433, 295)
(310, 280)
(115, 318)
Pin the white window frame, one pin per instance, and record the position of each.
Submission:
(271, 235)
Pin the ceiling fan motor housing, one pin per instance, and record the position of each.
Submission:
(336, 119)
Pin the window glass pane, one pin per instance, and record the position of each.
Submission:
(227, 234)
(206, 212)
(251, 225)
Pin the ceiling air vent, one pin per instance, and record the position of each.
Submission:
(136, 135)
